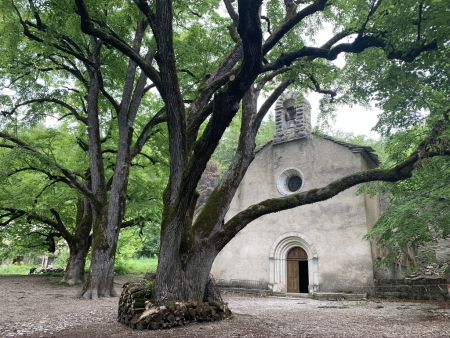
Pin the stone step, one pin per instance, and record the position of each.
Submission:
(291, 295)
(392, 294)
(339, 296)
(260, 292)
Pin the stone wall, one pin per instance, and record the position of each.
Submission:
(431, 260)
(419, 288)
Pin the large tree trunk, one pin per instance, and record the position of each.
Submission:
(107, 224)
(100, 282)
(74, 273)
(183, 276)
(79, 244)
(108, 215)
(101, 275)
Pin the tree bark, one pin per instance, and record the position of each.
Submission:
(109, 214)
(79, 244)
(183, 276)
(74, 273)
(106, 230)
(99, 282)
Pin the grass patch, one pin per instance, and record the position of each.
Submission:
(14, 269)
(136, 265)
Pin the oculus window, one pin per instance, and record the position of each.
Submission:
(290, 181)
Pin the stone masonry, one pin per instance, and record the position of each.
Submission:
(292, 118)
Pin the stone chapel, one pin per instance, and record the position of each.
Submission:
(312, 248)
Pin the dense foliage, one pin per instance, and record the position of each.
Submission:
(417, 210)
(28, 185)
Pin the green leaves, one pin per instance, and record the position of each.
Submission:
(418, 208)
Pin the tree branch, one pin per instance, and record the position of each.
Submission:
(226, 102)
(71, 68)
(243, 157)
(267, 19)
(419, 20)
(139, 91)
(373, 9)
(249, 29)
(198, 112)
(69, 175)
(357, 46)
(60, 225)
(291, 22)
(56, 180)
(319, 89)
(128, 86)
(147, 131)
(88, 27)
(95, 142)
(269, 77)
(66, 49)
(11, 217)
(50, 176)
(171, 94)
(148, 12)
(57, 225)
(63, 104)
(231, 11)
(151, 159)
(140, 220)
(273, 97)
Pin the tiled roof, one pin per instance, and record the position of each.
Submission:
(366, 151)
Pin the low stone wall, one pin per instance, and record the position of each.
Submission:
(138, 312)
(339, 296)
(242, 284)
(422, 288)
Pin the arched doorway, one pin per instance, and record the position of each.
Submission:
(297, 270)
(278, 261)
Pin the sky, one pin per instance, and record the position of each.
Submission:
(357, 119)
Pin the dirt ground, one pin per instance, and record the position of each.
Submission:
(37, 306)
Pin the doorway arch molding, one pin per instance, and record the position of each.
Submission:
(278, 263)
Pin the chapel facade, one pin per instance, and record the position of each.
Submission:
(317, 247)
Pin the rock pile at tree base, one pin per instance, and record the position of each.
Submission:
(138, 312)
(35, 271)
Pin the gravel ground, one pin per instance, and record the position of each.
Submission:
(38, 306)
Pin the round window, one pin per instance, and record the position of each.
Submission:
(290, 181)
(294, 183)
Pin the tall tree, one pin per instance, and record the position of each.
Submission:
(198, 118)
(36, 200)
(38, 206)
(104, 100)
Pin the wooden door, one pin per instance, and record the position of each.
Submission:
(294, 257)
(293, 281)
